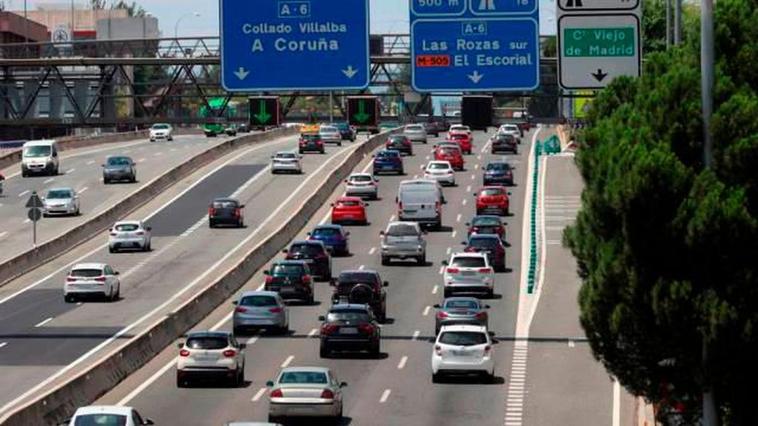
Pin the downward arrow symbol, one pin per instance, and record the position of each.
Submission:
(475, 77)
(350, 71)
(241, 73)
(599, 75)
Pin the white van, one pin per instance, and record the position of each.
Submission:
(40, 157)
(420, 201)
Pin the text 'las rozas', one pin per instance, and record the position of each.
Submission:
(289, 40)
(490, 58)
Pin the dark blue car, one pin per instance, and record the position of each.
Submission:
(498, 173)
(388, 161)
(334, 237)
(347, 132)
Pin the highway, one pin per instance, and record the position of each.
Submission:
(549, 380)
(42, 339)
(81, 170)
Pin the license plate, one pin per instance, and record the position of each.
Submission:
(461, 353)
(348, 330)
(205, 357)
(468, 273)
(409, 211)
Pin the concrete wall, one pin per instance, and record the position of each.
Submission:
(127, 28)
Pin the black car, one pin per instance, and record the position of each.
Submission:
(349, 327)
(399, 143)
(119, 167)
(504, 143)
(315, 254)
(498, 173)
(362, 286)
(311, 142)
(243, 127)
(226, 211)
(489, 244)
(291, 279)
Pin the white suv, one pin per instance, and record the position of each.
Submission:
(210, 354)
(161, 131)
(468, 273)
(510, 129)
(463, 349)
(129, 234)
(91, 279)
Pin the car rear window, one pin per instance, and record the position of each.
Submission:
(461, 304)
(258, 301)
(486, 221)
(397, 138)
(207, 342)
(483, 242)
(402, 230)
(468, 262)
(285, 155)
(352, 316)
(100, 420)
(463, 338)
(59, 194)
(309, 377)
(361, 178)
(439, 166)
(357, 277)
(325, 232)
(490, 192)
(310, 137)
(387, 154)
(348, 203)
(498, 166)
(118, 161)
(86, 273)
(328, 129)
(505, 137)
(224, 204)
(127, 227)
(308, 249)
(289, 270)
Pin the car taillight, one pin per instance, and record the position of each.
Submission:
(140, 233)
(441, 314)
(437, 206)
(327, 394)
(237, 212)
(276, 393)
(70, 279)
(327, 329)
(306, 279)
(400, 205)
(481, 315)
(470, 249)
(453, 270)
(269, 279)
(487, 349)
(211, 211)
(366, 328)
(100, 279)
(485, 270)
(184, 352)
(229, 353)
(438, 349)
(241, 309)
(276, 310)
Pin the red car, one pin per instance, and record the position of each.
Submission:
(492, 199)
(463, 140)
(349, 210)
(449, 153)
(486, 224)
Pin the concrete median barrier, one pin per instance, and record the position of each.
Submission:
(46, 251)
(61, 401)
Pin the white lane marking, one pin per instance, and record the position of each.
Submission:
(312, 332)
(449, 250)
(415, 335)
(427, 157)
(484, 148)
(362, 267)
(24, 193)
(158, 154)
(83, 190)
(141, 160)
(90, 162)
(476, 166)
(442, 269)
(48, 180)
(27, 221)
(435, 289)
(458, 218)
(402, 362)
(455, 232)
(464, 202)
(415, 176)
(385, 395)
(479, 157)
(69, 171)
(252, 340)
(468, 188)
(287, 361)
(258, 394)
(392, 218)
(473, 177)
(43, 322)
(4, 233)
(172, 149)
(169, 365)
(372, 251)
(3, 344)
(616, 403)
(126, 151)
(426, 310)
(571, 343)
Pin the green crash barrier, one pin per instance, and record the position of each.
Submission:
(552, 145)
(538, 149)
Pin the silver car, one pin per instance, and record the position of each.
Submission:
(119, 167)
(330, 134)
(415, 132)
(460, 310)
(362, 185)
(129, 234)
(286, 161)
(305, 392)
(441, 171)
(260, 309)
(403, 240)
(161, 131)
(60, 201)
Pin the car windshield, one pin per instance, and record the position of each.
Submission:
(486, 221)
(463, 338)
(58, 194)
(468, 262)
(100, 419)
(224, 204)
(397, 139)
(461, 304)
(287, 270)
(402, 230)
(491, 192)
(326, 232)
(498, 166)
(303, 377)
(341, 126)
(308, 249)
(387, 154)
(484, 242)
(352, 316)
(348, 203)
(127, 227)
(357, 277)
(37, 151)
(207, 342)
(286, 155)
(361, 178)
(160, 127)
(439, 166)
(258, 301)
(86, 273)
(118, 161)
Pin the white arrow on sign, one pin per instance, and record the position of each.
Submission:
(350, 71)
(475, 77)
(241, 73)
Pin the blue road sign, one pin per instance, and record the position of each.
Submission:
(474, 45)
(270, 45)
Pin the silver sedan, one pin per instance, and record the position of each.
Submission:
(60, 201)
(305, 392)
(415, 132)
(286, 161)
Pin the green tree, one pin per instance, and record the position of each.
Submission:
(667, 250)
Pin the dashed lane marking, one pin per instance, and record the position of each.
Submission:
(3, 344)
(372, 251)
(435, 289)
(312, 332)
(287, 361)
(455, 232)
(385, 396)
(258, 394)
(69, 171)
(90, 162)
(449, 250)
(415, 335)
(4, 233)
(426, 311)
(458, 218)
(24, 193)
(400, 365)
(43, 322)
(83, 190)
(48, 181)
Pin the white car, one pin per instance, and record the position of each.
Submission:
(129, 234)
(415, 132)
(459, 128)
(510, 129)
(362, 185)
(463, 349)
(108, 415)
(286, 161)
(441, 171)
(161, 131)
(210, 355)
(330, 134)
(91, 279)
(305, 392)
(60, 201)
(468, 273)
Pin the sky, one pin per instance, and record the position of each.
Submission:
(387, 16)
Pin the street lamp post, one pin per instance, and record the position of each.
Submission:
(176, 27)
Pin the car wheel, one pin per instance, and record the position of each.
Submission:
(180, 383)
(106, 181)
(385, 260)
(422, 260)
(111, 249)
(241, 377)
(490, 293)
(447, 293)
(507, 212)
(69, 298)
(283, 330)
(211, 224)
(436, 378)
(24, 174)
(339, 143)
(273, 419)
(311, 300)
(323, 351)
(376, 349)
(117, 296)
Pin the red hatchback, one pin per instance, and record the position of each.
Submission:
(492, 199)
(349, 210)
(463, 140)
(449, 153)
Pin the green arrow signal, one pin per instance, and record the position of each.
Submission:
(262, 116)
(361, 116)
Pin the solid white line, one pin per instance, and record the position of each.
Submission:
(287, 361)
(312, 332)
(415, 335)
(147, 383)
(616, 403)
(458, 218)
(372, 251)
(426, 310)
(69, 171)
(401, 365)
(43, 322)
(385, 395)
(258, 394)
(90, 162)
(24, 193)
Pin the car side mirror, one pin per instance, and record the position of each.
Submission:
(149, 228)
(347, 234)
(180, 345)
(116, 273)
(510, 193)
(386, 284)
(285, 251)
(437, 306)
(468, 223)
(242, 345)
(343, 384)
(331, 204)
(486, 306)
(332, 282)
(308, 234)
(321, 318)
(365, 204)
(266, 272)
(148, 422)
(270, 384)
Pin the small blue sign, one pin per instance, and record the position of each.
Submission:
(493, 45)
(283, 45)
